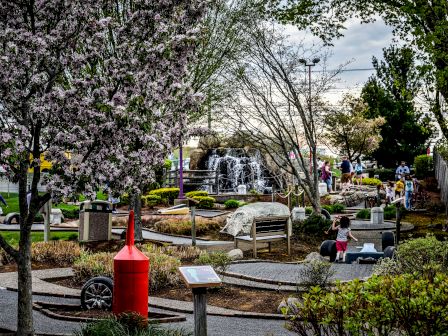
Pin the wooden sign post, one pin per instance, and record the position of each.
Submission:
(198, 278)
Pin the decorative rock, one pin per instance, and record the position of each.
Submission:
(314, 256)
(235, 254)
(56, 216)
(323, 189)
(290, 303)
(298, 214)
(196, 156)
(242, 189)
(240, 222)
(377, 216)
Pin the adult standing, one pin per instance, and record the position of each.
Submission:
(358, 171)
(4, 202)
(401, 171)
(326, 175)
(408, 189)
(346, 169)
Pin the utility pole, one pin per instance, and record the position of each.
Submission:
(309, 65)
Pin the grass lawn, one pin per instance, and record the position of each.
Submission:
(13, 203)
(12, 237)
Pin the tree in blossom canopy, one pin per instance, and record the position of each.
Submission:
(99, 88)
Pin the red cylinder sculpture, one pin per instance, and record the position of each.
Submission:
(131, 278)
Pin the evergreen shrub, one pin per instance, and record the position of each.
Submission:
(423, 166)
(166, 193)
(205, 202)
(231, 204)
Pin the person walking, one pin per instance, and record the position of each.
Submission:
(326, 175)
(4, 202)
(390, 192)
(346, 168)
(408, 190)
(342, 237)
(402, 170)
(358, 171)
(399, 187)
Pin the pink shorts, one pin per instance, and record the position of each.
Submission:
(341, 246)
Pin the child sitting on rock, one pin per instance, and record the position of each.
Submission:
(342, 238)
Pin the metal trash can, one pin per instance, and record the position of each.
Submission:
(95, 221)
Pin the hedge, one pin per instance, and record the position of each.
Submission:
(151, 200)
(166, 193)
(192, 194)
(384, 174)
(423, 166)
(231, 204)
(205, 202)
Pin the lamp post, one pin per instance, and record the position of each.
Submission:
(181, 171)
(309, 65)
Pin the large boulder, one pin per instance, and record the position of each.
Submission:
(240, 222)
(235, 254)
(196, 156)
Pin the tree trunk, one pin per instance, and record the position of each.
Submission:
(25, 298)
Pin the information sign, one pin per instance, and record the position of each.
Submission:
(199, 276)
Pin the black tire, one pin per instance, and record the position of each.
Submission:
(97, 294)
(389, 252)
(123, 235)
(12, 217)
(326, 214)
(328, 249)
(387, 239)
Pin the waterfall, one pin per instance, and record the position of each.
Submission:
(236, 166)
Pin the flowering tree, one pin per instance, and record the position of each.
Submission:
(99, 88)
(352, 133)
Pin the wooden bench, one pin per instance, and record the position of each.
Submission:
(267, 230)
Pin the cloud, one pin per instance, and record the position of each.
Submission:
(358, 45)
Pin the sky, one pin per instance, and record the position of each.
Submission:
(359, 44)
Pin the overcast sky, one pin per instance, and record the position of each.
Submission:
(359, 44)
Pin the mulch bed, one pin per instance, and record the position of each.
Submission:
(250, 300)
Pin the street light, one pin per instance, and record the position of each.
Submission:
(309, 65)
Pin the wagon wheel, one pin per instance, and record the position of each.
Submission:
(97, 294)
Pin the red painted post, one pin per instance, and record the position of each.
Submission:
(131, 281)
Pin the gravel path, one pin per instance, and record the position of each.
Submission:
(288, 273)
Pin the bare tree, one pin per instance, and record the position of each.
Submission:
(275, 108)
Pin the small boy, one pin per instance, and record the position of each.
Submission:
(399, 187)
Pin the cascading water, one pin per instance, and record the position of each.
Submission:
(237, 166)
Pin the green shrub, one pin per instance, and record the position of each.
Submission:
(384, 174)
(421, 256)
(166, 193)
(423, 166)
(308, 210)
(401, 305)
(368, 181)
(314, 224)
(363, 214)
(219, 260)
(205, 202)
(151, 200)
(192, 194)
(315, 273)
(231, 204)
(338, 208)
(329, 208)
(390, 212)
(125, 199)
(71, 213)
(126, 325)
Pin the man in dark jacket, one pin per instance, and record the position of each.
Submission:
(346, 169)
